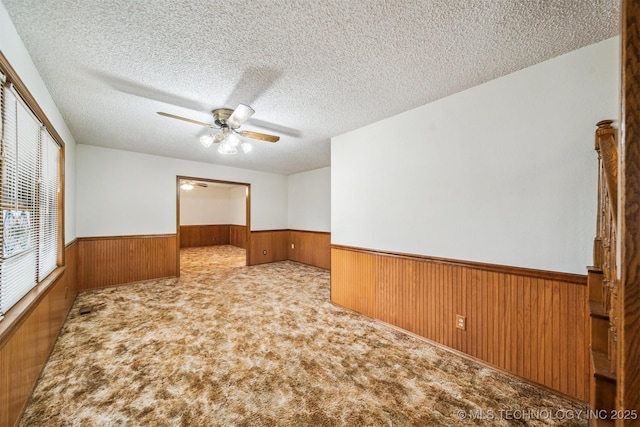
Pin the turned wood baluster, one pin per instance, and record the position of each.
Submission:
(598, 256)
(606, 250)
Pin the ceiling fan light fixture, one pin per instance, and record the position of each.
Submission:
(228, 121)
(246, 147)
(232, 139)
(207, 140)
(226, 148)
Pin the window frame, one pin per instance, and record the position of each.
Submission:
(18, 313)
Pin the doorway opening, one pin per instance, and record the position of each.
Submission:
(212, 212)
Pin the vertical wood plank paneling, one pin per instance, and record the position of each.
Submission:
(533, 333)
(204, 235)
(437, 298)
(543, 353)
(456, 308)
(519, 330)
(387, 309)
(449, 317)
(238, 235)
(434, 298)
(481, 329)
(423, 299)
(58, 299)
(562, 333)
(471, 320)
(411, 298)
(573, 346)
(444, 304)
(582, 340)
(381, 312)
(513, 314)
(534, 327)
(555, 330)
(355, 288)
(502, 325)
(274, 242)
(404, 303)
(548, 333)
(484, 296)
(118, 260)
(406, 310)
(487, 284)
(463, 308)
(310, 247)
(24, 352)
(497, 318)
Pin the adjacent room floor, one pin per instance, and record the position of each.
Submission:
(227, 344)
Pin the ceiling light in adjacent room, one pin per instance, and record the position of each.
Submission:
(187, 185)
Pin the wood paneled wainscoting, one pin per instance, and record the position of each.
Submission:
(238, 235)
(309, 247)
(213, 234)
(268, 246)
(204, 235)
(530, 323)
(26, 343)
(109, 261)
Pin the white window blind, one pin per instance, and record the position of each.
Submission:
(29, 161)
(50, 156)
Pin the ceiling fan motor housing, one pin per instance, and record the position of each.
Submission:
(221, 115)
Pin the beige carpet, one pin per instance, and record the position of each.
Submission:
(231, 345)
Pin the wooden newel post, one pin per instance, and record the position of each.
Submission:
(607, 147)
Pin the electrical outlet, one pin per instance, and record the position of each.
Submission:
(264, 252)
(461, 322)
(293, 246)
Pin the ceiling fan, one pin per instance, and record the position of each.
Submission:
(187, 185)
(229, 121)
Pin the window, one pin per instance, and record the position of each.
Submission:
(29, 179)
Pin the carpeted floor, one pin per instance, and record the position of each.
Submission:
(231, 345)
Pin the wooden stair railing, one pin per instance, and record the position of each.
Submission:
(602, 280)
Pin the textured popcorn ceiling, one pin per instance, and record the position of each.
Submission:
(311, 70)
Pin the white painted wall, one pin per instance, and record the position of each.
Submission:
(310, 200)
(238, 206)
(213, 205)
(503, 173)
(202, 206)
(125, 193)
(16, 53)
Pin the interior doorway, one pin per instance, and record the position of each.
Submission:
(205, 217)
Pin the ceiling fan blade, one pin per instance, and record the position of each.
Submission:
(260, 136)
(195, 122)
(240, 115)
(201, 184)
